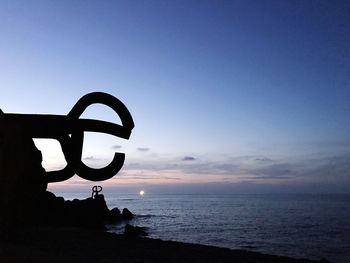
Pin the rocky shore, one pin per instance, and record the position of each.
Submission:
(36, 226)
(70, 244)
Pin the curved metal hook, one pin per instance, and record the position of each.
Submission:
(72, 148)
(104, 173)
(124, 131)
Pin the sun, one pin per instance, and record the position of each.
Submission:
(142, 192)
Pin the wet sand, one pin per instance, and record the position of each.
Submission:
(77, 245)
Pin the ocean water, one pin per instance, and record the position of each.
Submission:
(303, 226)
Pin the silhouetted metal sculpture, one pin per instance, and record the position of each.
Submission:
(69, 131)
(96, 191)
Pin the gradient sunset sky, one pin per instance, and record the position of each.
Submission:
(227, 96)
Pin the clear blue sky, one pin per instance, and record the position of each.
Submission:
(233, 95)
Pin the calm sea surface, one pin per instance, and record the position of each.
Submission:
(308, 226)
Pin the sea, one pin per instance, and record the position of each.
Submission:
(296, 225)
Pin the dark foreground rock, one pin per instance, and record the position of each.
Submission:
(22, 178)
(135, 231)
(24, 200)
(83, 245)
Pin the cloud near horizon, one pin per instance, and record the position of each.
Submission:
(142, 149)
(188, 158)
(329, 171)
(89, 158)
(116, 147)
(251, 168)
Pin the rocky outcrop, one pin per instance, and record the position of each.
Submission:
(135, 231)
(127, 215)
(23, 196)
(22, 178)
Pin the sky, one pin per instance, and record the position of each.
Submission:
(226, 96)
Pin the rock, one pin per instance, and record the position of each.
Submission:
(135, 231)
(127, 215)
(23, 196)
(115, 215)
(88, 213)
(115, 211)
(22, 178)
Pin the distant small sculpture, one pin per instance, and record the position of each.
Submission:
(69, 131)
(96, 190)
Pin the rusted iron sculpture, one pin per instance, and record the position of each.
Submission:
(69, 132)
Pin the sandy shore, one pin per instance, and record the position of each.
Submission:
(76, 245)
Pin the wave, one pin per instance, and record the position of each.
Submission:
(152, 215)
(144, 216)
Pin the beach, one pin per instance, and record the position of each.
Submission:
(47, 244)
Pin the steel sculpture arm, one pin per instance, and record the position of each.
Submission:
(69, 131)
